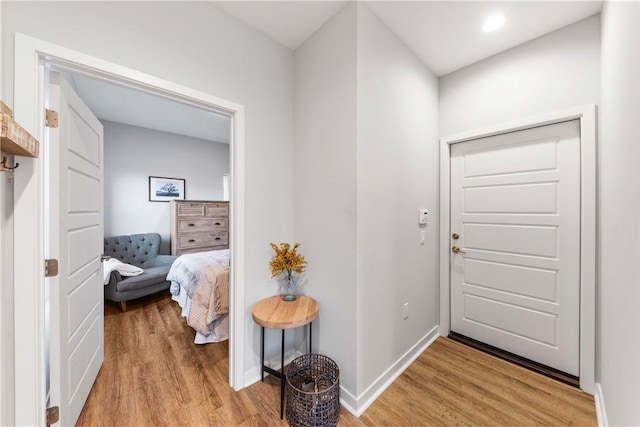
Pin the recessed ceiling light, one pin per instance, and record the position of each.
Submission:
(493, 23)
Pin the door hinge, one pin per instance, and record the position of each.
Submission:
(51, 119)
(53, 415)
(50, 267)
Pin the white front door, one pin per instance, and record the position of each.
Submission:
(515, 204)
(75, 238)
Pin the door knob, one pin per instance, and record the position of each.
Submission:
(456, 250)
(455, 236)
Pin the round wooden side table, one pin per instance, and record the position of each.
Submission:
(274, 313)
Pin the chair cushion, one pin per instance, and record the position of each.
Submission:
(149, 277)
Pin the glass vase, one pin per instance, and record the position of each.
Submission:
(289, 293)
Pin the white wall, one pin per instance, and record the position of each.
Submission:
(199, 46)
(325, 184)
(6, 293)
(132, 154)
(6, 299)
(366, 158)
(553, 72)
(619, 368)
(397, 167)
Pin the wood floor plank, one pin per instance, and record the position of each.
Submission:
(154, 375)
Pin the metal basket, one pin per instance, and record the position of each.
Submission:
(313, 391)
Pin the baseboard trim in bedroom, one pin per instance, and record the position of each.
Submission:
(374, 391)
(253, 375)
(601, 412)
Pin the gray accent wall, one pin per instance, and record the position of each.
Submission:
(132, 154)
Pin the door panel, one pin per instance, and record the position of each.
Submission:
(84, 142)
(516, 157)
(494, 314)
(517, 198)
(516, 279)
(515, 201)
(76, 239)
(515, 239)
(85, 191)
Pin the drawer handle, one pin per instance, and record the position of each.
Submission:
(217, 223)
(217, 238)
(191, 240)
(191, 225)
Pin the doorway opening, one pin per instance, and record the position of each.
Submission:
(33, 59)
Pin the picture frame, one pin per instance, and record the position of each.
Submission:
(163, 189)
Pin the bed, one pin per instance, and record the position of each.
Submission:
(200, 285)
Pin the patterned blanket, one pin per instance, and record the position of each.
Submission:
(205, 278)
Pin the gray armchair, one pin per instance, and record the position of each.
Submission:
(140, 250)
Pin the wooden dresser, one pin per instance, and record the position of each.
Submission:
(198, 226)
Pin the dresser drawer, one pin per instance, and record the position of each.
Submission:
(194, 250)
(191, 209)
(195, 225)
(214, 238)
(212, 210)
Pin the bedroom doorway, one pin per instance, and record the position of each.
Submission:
(117, 138)
(34, 58)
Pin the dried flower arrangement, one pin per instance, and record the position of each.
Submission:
(287, 259)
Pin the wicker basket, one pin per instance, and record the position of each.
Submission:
(313, 391)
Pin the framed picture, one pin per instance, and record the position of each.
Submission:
(164, 189)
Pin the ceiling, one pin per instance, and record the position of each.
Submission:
(445, 35)
(133, 107)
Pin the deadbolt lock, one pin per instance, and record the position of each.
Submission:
(455, 236)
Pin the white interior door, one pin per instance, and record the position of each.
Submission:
(76, 240)
(515, 203)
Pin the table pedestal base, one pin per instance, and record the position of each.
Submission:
(278, 374)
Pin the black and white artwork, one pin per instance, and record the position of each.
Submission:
(164, 189)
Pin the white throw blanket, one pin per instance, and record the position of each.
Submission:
(115, 264)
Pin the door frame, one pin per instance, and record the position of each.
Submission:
(32, 57)
(588, 192)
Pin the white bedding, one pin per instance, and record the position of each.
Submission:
(220, 326)
(189, 272)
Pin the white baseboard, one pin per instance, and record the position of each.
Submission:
(601, 412)
(372, 392)
(357, 405)
(349, 401)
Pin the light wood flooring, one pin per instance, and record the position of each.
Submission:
(154, 375)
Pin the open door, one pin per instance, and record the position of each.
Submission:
(75, 238)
